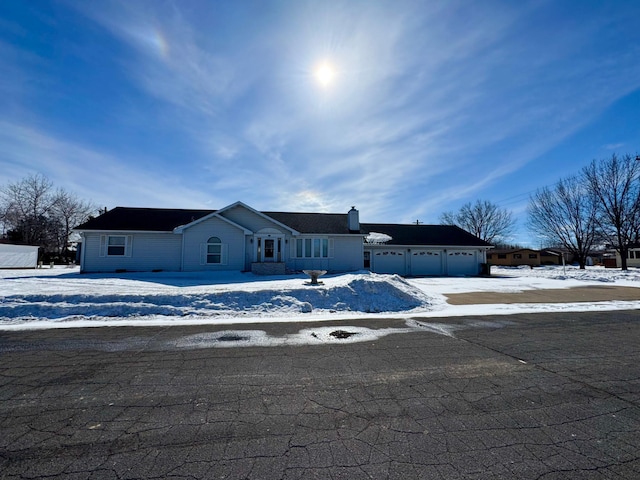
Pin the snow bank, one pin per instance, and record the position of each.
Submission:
(366, 293)
(61, 297)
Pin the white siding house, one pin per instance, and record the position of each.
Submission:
(239, 238)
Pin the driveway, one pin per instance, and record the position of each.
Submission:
(599, 293)
(551, 396)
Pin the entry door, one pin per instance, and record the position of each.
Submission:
(269, 250)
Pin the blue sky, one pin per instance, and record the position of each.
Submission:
(198, 104)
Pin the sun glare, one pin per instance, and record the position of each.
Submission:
(325, 74)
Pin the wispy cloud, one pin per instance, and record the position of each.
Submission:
(98, 176)
(433, 104)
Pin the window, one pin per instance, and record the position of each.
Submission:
(115, 245)
(214, 250)
(502, 255)
(533, 255)
(517, 255)
(312, 248)
(489, 256)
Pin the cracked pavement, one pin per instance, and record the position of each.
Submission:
(542, 396)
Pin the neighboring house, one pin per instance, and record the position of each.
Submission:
(18, 256)
(633, 256)
(240, 238)
(523, 256)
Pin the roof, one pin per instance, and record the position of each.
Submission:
(333, 223)
(143, 219)
(424, 235)
(166, 220)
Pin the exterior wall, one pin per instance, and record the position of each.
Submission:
(511, 258)
(633, 258)
(196, 236)
(348, 254)
(550, 259)
(149, 251)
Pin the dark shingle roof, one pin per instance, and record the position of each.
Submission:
(143, 219)
(425, 235)
(334, 223)
(166, 219)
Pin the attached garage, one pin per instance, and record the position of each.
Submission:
(422, 250)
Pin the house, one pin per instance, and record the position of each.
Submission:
(515, 257)
(18, 256)
(240, 238)
(633, 256)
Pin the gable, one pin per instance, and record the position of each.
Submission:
(251, 219)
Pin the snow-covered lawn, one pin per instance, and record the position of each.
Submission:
(62, 297)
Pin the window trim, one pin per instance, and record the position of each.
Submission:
(105, 246)
(204, 252)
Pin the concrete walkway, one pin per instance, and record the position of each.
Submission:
(566, 295)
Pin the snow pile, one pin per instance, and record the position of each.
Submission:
(126, 297)
(376, 238)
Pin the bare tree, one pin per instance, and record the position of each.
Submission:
(566, 215)
(70, 212)
(32, 213)
(26, 205)
(483, 219)
(615, 182)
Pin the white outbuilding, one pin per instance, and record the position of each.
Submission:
(18, 256)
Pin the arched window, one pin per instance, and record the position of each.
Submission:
(214, 250)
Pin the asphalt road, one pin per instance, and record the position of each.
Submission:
(544, 396)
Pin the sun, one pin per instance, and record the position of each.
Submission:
(325, 74)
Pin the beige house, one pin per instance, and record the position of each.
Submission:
(523, 256)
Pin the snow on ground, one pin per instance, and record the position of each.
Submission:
(62, 297)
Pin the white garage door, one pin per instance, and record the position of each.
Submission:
(426, 262)
(389, 261)
(462, 262)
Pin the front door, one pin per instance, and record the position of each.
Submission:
(269, 250)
